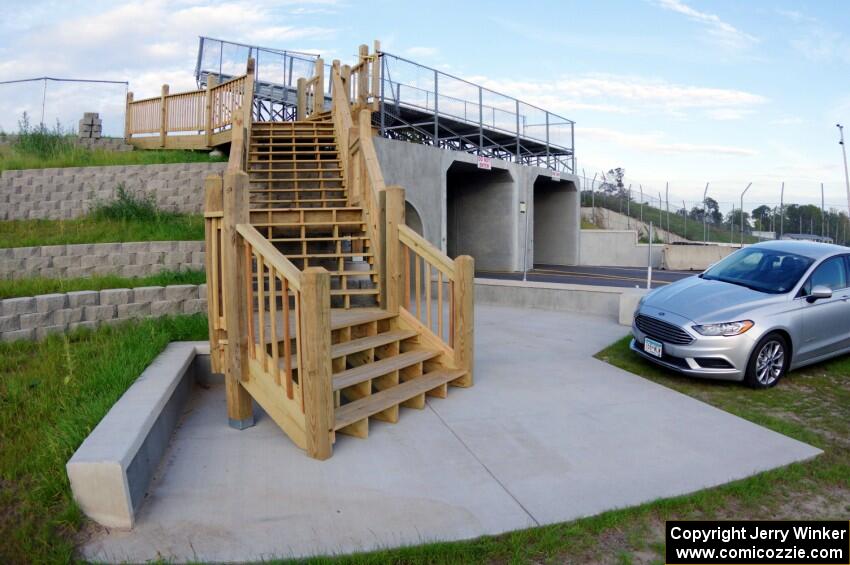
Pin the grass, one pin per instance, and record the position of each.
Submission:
(52, 394)
(35, 286)
(693, 230)
(38, 147)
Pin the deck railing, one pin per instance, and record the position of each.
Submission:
(311, 95)
(197, 119)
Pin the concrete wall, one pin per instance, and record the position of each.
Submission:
(694, 257)
(35, 317)
(71, 192)
(610, 220)
(480, 216)
(618, 248)
(136, 259)
(555, 213)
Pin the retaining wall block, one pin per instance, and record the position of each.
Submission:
(50, 302)
(181, 292)
(13, 306)
(80, 298)
(99, 313)
(116, 296)
(165, 307)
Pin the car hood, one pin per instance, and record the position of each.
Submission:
(706, 301)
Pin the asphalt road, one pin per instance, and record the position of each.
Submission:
(600, 276)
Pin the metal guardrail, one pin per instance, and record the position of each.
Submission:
(416, 103)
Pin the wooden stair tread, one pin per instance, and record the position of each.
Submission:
(374, 403)
(353, 291)
(363, 343)
(363, 373)
(340, 318)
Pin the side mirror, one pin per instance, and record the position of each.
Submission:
(818, 293)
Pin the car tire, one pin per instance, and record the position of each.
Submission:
(768, 362)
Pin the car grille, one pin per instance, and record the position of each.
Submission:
(663, 331)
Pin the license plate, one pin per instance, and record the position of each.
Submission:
(654, 348)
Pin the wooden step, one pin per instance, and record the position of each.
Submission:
(369, 405)
(370, 342)
(341, 318)
(363, 373)
(354, 291)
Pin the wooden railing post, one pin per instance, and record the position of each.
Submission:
(345, 75)
(376, 77)
(128, 118)
(213, 211)
(319, 92)
(316, 365)
(234, 279)
(212, 82)
(248, 99)
(462, 315)
(163, 126)
(392, 215)
(301, 100)
(363, 77)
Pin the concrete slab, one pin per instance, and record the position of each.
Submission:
(547, 434)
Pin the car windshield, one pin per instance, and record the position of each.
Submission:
(764, 270)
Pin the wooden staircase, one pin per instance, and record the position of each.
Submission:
(324, 307)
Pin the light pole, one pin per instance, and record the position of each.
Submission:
(742, 212)
(844, 153)
(592, 199)
(641, 203)
(667, 198)
(704, 215)
(822, 211)
(782, 210)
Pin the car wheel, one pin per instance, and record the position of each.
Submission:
(768, 363)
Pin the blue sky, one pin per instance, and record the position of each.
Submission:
(678, 91)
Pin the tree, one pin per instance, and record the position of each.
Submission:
(612, 182)
(761, 216)
(714, 214)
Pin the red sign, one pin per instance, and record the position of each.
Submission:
(556, 175)
(484, 163)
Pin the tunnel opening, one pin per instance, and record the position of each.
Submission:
(556, 221)
(412, 218)
(480, 216)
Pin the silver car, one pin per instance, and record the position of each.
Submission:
(760, 312)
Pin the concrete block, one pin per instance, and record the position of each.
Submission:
(202, 291)
(68, 315)
(10, 323)
(116, 296)
(36, 320)
(181, 292)
(22, 305)
(50, 302)
(194, 306)
(628, 303)
(78, 272)
(79, 298)
(43, 332)
(18, 335)
(165, 308)
(134, 310)
(99, 313)
(82, 325)
(148, 293)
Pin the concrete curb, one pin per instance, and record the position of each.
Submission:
(612, 302)
(111, 470)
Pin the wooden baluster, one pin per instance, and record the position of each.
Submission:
(128, 118)
(212, 209)
(163, 107)
(417, 287)
(407, 277)
(273, 320)
(287, 351)
(249, 290)
(428, 293)
(440, 304)
(261, 308)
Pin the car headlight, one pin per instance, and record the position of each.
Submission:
(725, 329)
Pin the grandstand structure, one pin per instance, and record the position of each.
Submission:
(413, 102)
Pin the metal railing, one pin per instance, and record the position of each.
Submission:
(415, 103)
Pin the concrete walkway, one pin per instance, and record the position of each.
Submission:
(547, 434)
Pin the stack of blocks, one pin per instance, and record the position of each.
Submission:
(90, 126)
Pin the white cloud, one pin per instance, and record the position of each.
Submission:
(721, 32)
(655, 142)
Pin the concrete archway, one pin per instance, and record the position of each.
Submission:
(412, 218)
(556, 219)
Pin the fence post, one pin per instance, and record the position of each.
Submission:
(213, 211)
(234, 277)
(301, 100)
(128, 118)
(212, 82)
(463, 314)
(163, 107)
(316, 350)
(392, 216)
